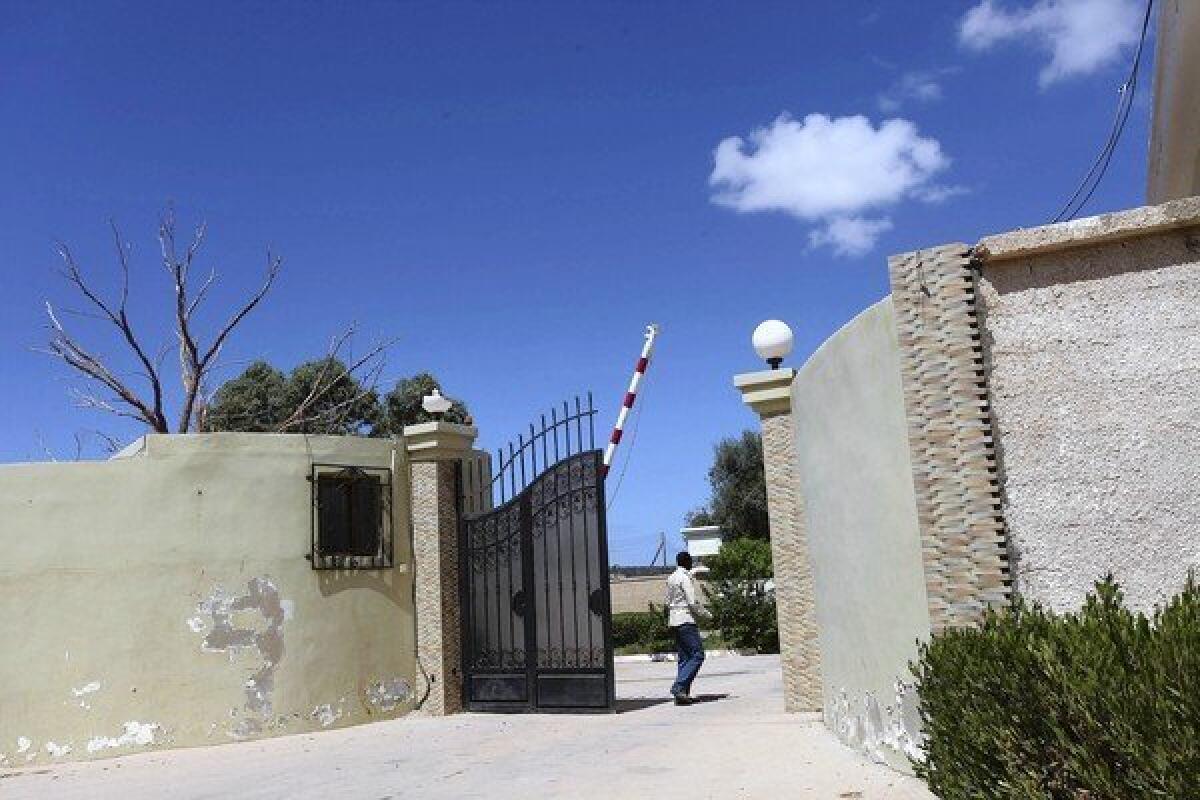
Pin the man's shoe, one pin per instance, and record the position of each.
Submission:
(681, 699)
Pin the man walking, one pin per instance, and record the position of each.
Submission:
(681, 610)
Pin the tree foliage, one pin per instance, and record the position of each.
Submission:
(326, 397)
(402, 405)
(321, 396)
(252, 402)
(741, 605)
(642, 631)
(739, 491)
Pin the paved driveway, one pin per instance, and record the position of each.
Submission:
(738, 745)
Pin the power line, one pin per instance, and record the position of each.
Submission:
(1126, 94)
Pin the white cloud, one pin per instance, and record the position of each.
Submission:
(923, 87)
(1081, 36)
(831, 172)
(935, 194)
(849, 236)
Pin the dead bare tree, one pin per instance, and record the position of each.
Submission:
(196, 361)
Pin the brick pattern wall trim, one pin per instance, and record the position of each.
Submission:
(963, 541)
(799, 645)
(435, 556)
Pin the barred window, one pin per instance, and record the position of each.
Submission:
(352, 527)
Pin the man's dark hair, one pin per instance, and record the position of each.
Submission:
(684, 559)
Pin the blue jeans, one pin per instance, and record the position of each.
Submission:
(691, 656)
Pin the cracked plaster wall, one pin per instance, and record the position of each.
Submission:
(163, 599)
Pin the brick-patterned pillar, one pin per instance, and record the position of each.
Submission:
(769, 394)
(435, 450)
(964, 544)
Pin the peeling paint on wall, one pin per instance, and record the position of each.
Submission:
(84, 691)
(181, 659)
(325, 715)
(885, 734)
(389, 694)
(56, 750)
(216, 620)
(136, 733)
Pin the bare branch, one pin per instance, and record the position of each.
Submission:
(324, 383)
(75, 312)
(67, 349)
(71, 272)
(195, 361)
(212, 276)
(195, 367)
(111, 445)
(319, 387)
(190, 368)
(123, 258)
(152, 412)
(273, 265)
(42, 444)
(340, 412)
(85, 400)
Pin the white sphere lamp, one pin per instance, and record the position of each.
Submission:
(773, 341)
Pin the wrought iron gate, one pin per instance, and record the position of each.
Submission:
(534, 572)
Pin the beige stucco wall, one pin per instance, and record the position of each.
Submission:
(1092, 335)
(163, 599)
(856, 483)
(637, 592)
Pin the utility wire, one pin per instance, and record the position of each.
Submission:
(1126, 94)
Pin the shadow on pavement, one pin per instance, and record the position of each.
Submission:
(625, 705)
(709, 698)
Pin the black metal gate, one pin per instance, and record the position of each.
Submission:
(534, 572)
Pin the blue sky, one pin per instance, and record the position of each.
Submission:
(513, 190)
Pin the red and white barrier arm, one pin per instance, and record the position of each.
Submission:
(639, 372)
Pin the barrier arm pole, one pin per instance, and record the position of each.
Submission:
(639, 372)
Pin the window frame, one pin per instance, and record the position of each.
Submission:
(383, 558)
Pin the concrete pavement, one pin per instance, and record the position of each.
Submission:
(736, 744)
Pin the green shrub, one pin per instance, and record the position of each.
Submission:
(642, 631)
(741, 608)
(1102, 704)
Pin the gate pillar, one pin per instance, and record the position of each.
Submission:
(769, 394)
(435, 450)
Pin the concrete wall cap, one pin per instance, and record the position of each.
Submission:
(234, 443)
(768, 392)
(437, 440)
(1087, 231)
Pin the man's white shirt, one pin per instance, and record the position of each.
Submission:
(681, 598)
